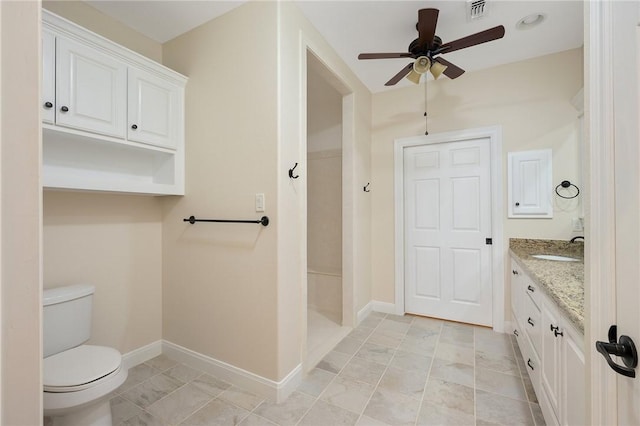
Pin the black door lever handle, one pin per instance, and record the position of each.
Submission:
(624, 348)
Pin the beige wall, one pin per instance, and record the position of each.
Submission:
(94, 20)
(113, 242)
(110, 241)
(234, 292)
(20, 215)
(531, 100)
(220, 280)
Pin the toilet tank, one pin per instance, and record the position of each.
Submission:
(66, 317)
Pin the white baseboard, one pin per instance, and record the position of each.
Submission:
(142, 354)
(275, 391)
(384, 307)
(362, 313)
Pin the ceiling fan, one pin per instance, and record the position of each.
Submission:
(426, 48)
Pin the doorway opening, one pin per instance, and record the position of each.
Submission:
(329, 287)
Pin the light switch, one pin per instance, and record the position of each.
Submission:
(259, 202)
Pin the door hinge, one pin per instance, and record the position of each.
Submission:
(489, 241)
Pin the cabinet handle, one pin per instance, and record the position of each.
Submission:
(531, 289)
(134, 126)
(529, 364)
(64, 108)
(514, 272)
(530, 321)
(516, 333)
(558, 333)
(48, 105)
(553, 327)
(517, 204)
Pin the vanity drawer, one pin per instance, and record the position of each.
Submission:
(531, 361)
(532, 289)
(532, 323)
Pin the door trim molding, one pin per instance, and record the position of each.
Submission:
(600, 291)
(494, 134)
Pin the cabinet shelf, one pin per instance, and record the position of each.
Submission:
(72, 161)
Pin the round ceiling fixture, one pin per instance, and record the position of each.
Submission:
(530, 21)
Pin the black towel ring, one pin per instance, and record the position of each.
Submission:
(567, 184)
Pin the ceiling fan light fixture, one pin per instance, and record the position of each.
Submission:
(530, 21)
(414, 77)
(437, 69)
(422, 65)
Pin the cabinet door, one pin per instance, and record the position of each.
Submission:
(551, 359)
(529, 184)
(573, 377)
(91, 89)
(47, 104)
(155, 110)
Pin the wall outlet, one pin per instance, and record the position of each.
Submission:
(259, 202)
(577, 224)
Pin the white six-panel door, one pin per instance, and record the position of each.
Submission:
(447, 209)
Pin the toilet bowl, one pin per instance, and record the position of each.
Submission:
(77, 379)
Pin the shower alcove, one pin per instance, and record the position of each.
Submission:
(326, 322)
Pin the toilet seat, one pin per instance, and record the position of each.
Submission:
(80, 368)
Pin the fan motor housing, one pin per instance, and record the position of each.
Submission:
(415, 49)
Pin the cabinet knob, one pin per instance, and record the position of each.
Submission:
(514, 272)
(134, 126)
(517, 204)
(48, 105)
(531, 289)
(64, 108)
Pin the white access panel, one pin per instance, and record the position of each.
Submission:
(91, 89)
(529, 184)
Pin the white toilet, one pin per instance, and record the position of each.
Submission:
(78, 379)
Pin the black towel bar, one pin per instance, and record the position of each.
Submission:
(264, 220)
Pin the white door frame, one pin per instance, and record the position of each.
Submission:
(600, 291)
(494, 134)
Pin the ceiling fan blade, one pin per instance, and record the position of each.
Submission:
(452, 71)
(472, 40)
(396, 78)
(427, 21)
(384, 55)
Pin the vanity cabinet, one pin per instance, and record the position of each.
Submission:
(113, 120)
(552, 349)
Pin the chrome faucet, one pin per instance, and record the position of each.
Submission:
(573, 240)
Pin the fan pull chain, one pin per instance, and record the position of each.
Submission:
(426, 120)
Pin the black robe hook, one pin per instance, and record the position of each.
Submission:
(291, 172)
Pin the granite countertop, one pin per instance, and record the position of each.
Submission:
(563, 282)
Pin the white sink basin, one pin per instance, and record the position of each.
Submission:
(554, 257)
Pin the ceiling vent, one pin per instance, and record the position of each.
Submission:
(476, 9)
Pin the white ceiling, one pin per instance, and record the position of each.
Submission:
(353, 27)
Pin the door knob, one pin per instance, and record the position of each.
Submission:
(624, 348)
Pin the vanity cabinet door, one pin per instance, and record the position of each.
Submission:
(91, 89)
(551, 355)
(155, 110)
(573, 400)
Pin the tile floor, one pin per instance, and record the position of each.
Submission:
(391, 370)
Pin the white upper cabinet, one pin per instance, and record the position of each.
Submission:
(113, 120)
(47, 106)
(529, 184)
(91, 89)
(155, 109)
